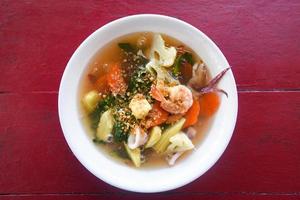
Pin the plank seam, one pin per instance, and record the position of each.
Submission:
(157, 194)
(239, 91)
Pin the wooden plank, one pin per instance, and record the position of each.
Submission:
(132, 196)
(263, 153)
(262, 156)
(260, 39)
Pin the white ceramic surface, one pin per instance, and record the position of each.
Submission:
(147, 180)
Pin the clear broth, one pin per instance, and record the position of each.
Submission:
(111, 53)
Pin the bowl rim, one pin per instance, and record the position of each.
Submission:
(75, 150)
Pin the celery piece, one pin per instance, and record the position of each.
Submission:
(164, 141)
(134, 154)
(105, 126)
(155, 135)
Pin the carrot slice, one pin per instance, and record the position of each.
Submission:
(156, 116)
(191, 116)
(115, 80)
(209, 104)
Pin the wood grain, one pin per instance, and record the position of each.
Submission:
(260, 39)
(261, 157)
(124, 196)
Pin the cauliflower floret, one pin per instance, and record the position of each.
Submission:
(165, 58)
(166, 55)
(139, 106)
(161, 73)
(179, 143)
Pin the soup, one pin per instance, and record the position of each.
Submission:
(147, 99)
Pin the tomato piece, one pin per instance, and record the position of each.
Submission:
(156, 116)
(115, 80)
(101, 84)
(174, 118)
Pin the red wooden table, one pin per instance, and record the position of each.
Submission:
(261, 40)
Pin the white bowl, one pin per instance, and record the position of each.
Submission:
(147, 180)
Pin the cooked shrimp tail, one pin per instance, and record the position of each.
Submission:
(156, 94)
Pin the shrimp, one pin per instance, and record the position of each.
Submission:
(180, 99)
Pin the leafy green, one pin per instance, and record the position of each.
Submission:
(118, 133)
(186, 57)
(142, 61)
(132, 61)
(102, 106)
(164, 126)
(126, 47)
(140, 81)
(176, 68)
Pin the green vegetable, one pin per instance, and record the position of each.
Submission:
(141, 82)
(118, 132)
(131, 62)
(90, 100)
(155, 135)
(134, 154)
(186, 57)
(164, 126)
(126, 47)
(163, 143)
(101, 107)
(142, 61)
(105, 126)
(176, 66)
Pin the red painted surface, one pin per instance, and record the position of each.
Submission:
(261, 41)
